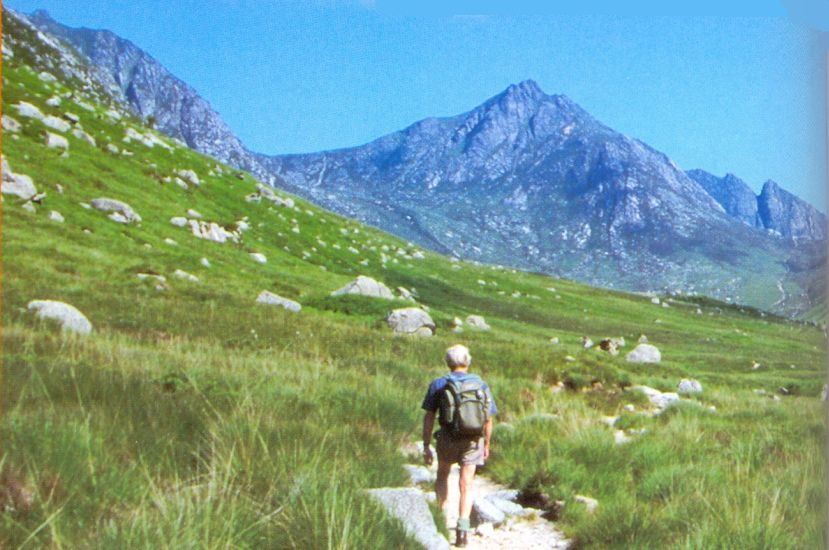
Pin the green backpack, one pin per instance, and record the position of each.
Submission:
(464, 407)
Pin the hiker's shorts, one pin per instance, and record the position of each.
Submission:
(460, 451)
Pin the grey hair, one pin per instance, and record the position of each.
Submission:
(458, 356)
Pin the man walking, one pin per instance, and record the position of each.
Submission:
(466, 409)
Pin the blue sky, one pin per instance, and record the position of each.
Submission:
(724, 92)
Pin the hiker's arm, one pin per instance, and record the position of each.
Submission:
(487, 436)
(428, 425)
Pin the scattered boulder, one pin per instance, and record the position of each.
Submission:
(28, 110)
(271, 299)
(258, 257)
(10, 125)
(178, 221)
(689, 386)
(366, 286)
(119, 210)
(655, 301)
(586, 342)
(478, 322)
(411, 320)
(212, 231)
(160, 280)
(53, 101)
(657, 398)
(644, 353)
(56, 216)
(17, 184)
(194, 214)
(80, 134)
(181, 274)
(190, 176)
(70, 319)
(169, 241)
(205, 262)
(555, 341)
(409, 505)
(54, 141)
(56, 123)
(643, 339)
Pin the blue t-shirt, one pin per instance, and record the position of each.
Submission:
(432, 400)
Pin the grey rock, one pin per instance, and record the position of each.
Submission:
(660, 400)
(409, 505)
(689, 386)
(419, 474)
(365, 286)
(70, 319)
(478, 322)
(411, 320)
(269, 298)
(644, 353)
(54, 141)
(10, 125)
(125, 213)
(484, 511)
(18, 185)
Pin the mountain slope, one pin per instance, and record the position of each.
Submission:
(533, 180)
(149, 90)
(526, 179)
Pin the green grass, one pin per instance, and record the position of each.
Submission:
(193, 417)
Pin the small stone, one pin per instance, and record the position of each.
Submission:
(178, 221)
(689, 386)
(205, 262)
(56, 216)
(259, 257)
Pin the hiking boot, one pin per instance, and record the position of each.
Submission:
(460, 540)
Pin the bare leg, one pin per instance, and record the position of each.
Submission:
(465, 482)
(442, 485)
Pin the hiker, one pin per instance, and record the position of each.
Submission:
(466, 409)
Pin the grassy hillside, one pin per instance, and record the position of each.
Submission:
(194, 417)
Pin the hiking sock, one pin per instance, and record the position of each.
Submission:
(463, 524)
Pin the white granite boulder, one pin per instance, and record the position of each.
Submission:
(409, 505)
(189, 176)
(17, 184)
(411, 320)
(70, 319)
(660, 400)
(477, 322)
(271, 299)
(258, 257)
(689, 386)
(365, 286)
(125, 213)
(28, 110)
(54, 141)
(644, 353)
